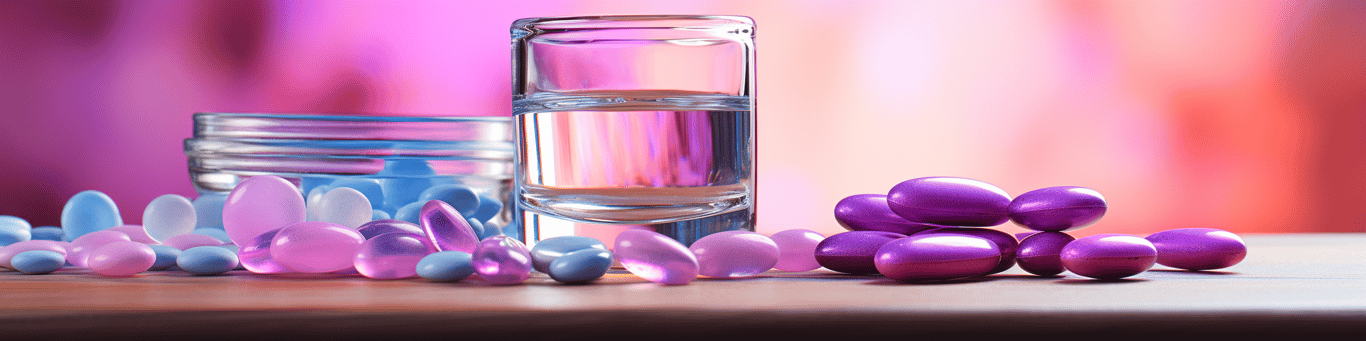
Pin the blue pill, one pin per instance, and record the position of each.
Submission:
(213, 232)
(9, 221)
(166, 257)
(234, 249)
(52, 233)
(208, 210)
(512, 230)
(89, 211)
(581, 266)
(479, 229)
(370, 188)
(409, 212)
(462, 199)
(379, 215)
(445, 266)
(37, 262)
(488, 208)
(549, 249)
(207, 260)
(13, 230)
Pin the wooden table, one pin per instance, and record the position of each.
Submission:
(1289, 285)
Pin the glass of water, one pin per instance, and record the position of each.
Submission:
(633, 122)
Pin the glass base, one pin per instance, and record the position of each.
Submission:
(538, 226)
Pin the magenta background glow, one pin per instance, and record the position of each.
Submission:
(1246, 116)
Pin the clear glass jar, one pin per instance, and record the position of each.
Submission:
(311, 150)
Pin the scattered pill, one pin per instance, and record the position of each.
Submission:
(168, 215)
(37, 262)
(259, 204)
(374, 193)
(852, 252)
(1062, 208)
(14, 229)
(445, 266)
(949, 201)
(797, 249)
(378, 227)
(1109, 256)
(391, 255)
(655, 257)
(81, 248)
(207, 260)
(869, 212)
(732, 254)
(581, 266)
(51, 233)
(1004, 242)
(123, 258)
(190, 240)
(255, 254)
(501, 260)
(937, 256)
(1198, 248)
(87, 212)
(446, 228)
(1040, 253)
(166, 257)
(547, 250)
(344, 206)
(315, 247)
(8, 252)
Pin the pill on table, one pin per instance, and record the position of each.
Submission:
(1040, 253)
(949, 201)
(869, 212)
(315, 247)
(581, 266)
(501, 260)
(655, 257)
(207, 260)
(378, 227)
(1109, 256)
(547, 250)
(166, 257)
(254, 255)
(1004, 242)
(37, 262)
(797, 249)
(937, 256)
(260, 204)
(123, 258)
(190, 240)
(445, 266)
(87, 212)
(14, 229)
(81, 248)
(208, 210)
(852, 252)
(168, 215)
(8, 252)
(51, 233)
(391, 255)
(731, 254)
(447, 228)
(1198, 248)
(1061, 208)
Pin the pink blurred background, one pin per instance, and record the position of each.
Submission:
(1244, 115)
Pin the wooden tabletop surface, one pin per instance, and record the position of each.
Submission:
(1301, 284)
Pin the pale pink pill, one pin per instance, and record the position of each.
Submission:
(655, 257)
(255, 255)
(260, 204)
(8, 252)
(124, 258)
(136, 233)
(83, 245)
(797, 249)
(732, 254)
(189, 240)
(315, 247)
(391, 255)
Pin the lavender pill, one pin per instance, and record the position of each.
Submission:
(932, 257)
(1041, 253)
(949, 201)
(852, 252)
(1109, 256)
(869, 212)
(1060, 208)
(1198, 248)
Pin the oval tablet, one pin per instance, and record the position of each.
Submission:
(581, 266)
(655, 257)
(949, 201)
(933, 256)
(315, 247)
(1198, 248)
(1040, 253)
(1060, 208)
(501, 260)
(445, 266)
(38, 262)
(1004, 241)
(123, 258)
(797, 249)
(87, 212)
(732, 254)
(852, 252)
(547, 250)
(260, 204)
(1109, 256)
(869, 212)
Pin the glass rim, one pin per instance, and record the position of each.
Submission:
(629, 22)
(350, 117)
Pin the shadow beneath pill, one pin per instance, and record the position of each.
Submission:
(1195, 272)
(891, 282)
(1028, 277)
(732, 279)
(1101, 281)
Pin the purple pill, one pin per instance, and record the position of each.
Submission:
(797, 249)
(655, 257)
(446, 228)
(949, 201)
(1040, 253)
(122, 258)
(255, 254)
(186, 241)
(869, 212)
(1198, 248)
(315, 247)
(81, 247)
(1109, 256)
(852, 252)
(391, 255)
(732, 254)
(378, 227)
(935, 256)
(1004, 242)
(501, 260)
(9, 251)
(1059, 208)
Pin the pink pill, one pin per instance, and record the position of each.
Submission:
(124, 258)
(315, 247)
(8, 252)
(446, 228)
(259, 204)
(391, 255)
(732, 254)
(83, 245)
(189, 240)
(655, 257)
(501, 260)
(255, 255)
(797, 249)
(135, 232)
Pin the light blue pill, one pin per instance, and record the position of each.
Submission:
(370, 188)
(581, 266)
(379, 215)
(166, 257)
(512, 230)
(462, 199)
(208, 210)
(52, 233)
(234, 249)
(547, 250)
(409, 212)
(308, 183)
(207, 260)
(13, 230)
(37, 262)
(89, 211)
(488, 208)
(213, 232)
(478, 228)
(445, 266)
(9, 221)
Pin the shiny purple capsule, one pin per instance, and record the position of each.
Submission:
(1198, 248)
(937, 256)
(382, 226)
(446, 228)
(1040, 253)
(869, 212)
(655, 257)
(1109, 256)
(501, 260)
(1005, 242)
(732, 254)
(391, 255)
(949, 201)
(852, 252)
(797, 249)
(1060, 208)
(254, 255)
